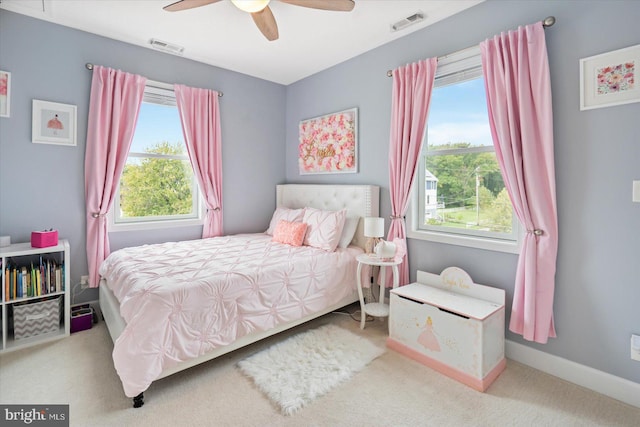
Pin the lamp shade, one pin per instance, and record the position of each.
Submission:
(373, 227)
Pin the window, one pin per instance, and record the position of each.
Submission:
(157, 187)
(462, 199)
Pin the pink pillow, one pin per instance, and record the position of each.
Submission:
(286, 214)
(324, 228)
(290, 233)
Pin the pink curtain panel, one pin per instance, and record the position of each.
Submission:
(115, 102)
(200, 117)
(412, 86)
(517, 83)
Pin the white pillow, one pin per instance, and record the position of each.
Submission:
(324, 228)
(348, 231)
(284, 214)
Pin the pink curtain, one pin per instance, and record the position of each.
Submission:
(113, 112)
(200, 116)
(412, 85)
(517, 83)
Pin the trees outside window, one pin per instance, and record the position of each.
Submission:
(157, 183)
(468, 186)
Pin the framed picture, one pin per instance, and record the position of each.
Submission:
(5, 94)
(329, 143)
(610, 78)
(53, 123)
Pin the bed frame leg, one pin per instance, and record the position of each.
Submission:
(138, 401)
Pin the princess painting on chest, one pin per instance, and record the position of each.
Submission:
(427, 338)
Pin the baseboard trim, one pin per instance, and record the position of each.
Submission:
(601, 382)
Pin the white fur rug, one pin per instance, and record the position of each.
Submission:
(308, 365)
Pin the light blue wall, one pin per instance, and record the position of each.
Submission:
(42, 186)
(597, 153)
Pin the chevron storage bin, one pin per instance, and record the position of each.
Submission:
(36, 318)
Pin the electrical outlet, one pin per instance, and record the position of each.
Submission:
(84, 281)
(636, 192)
(635, 347)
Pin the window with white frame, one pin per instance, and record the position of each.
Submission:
(157, 187)
(460, 197)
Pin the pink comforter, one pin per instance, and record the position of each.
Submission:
(183, 299)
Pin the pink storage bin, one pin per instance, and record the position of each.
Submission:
(44, 239)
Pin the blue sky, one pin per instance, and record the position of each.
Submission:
(156, 123)
(458, 113)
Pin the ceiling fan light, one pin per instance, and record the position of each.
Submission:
(250, 6)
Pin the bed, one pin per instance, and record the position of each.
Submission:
(174, 305)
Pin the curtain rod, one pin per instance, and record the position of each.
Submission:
(169, 86)
(546, 23)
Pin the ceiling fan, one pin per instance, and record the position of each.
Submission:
(261, 13)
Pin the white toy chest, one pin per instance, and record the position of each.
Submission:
(450, 324)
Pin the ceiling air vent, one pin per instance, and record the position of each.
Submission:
(166, 47)
(409, 20)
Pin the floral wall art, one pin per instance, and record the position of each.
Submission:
(329, 143)
(5, 93)
(610, 78)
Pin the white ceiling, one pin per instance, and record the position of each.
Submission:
(221, 35)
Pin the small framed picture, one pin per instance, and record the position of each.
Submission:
(610, 78)
(53, 123)
(5, 94)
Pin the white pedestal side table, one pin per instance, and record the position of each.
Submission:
(376, 309)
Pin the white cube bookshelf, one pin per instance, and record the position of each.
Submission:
(34, 303)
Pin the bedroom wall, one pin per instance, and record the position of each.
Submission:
(597, 154)
(42, 186)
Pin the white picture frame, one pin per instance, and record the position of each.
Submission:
(5, 94)
(610, 78)
(53, 123)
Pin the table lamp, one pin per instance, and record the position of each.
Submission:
(373, 230)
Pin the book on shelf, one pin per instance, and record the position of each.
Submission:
(58, 278)
(7, 284)
(33, 278)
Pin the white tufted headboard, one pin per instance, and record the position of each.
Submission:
(358, 200)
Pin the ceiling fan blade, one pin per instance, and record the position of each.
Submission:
(187, 4)
(266, 23)
(335, 5)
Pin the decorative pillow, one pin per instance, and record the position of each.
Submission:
(290, 233)
(348, 231)
(324, 228)
(284, 214)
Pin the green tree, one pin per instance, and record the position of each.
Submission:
(157, 186)
(457, 174)
(500, 214)
(453, 178)
(486, 198)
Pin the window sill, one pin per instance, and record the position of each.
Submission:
(495, 245)
(154, 225)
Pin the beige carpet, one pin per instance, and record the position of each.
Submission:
(390, 391)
